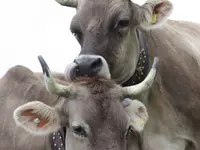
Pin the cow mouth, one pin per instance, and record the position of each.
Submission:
(71, 71)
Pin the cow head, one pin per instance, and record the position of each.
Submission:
(96, 112)
(107, 28)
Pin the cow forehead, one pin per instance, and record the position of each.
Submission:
(100, 3)
(95, 109)
(102, 8)
(98, 15)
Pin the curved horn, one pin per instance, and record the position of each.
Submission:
(69, 3)
(51, 86)
(144, 85)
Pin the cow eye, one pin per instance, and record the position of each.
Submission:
(123, 23)
(79, 130)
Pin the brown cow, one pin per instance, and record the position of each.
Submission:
(91, 108)
(117, 31)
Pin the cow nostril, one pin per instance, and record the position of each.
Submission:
(96, 64)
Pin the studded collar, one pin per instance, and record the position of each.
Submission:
(142, 68)
(57, 139)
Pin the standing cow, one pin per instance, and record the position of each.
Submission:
(127, 35)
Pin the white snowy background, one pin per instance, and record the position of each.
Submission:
(41, 27)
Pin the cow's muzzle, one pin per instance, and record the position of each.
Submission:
(87, 66)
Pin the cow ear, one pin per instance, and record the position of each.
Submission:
(154, 13)
(37, 118)
(137, 113)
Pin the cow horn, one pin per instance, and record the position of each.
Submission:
(144, 85)
(51, 86)
(69, 3)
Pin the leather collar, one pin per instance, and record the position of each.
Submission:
(142, 68)
(57, 139)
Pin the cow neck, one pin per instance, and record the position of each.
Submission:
(142, 68)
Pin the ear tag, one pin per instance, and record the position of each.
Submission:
(36, 120)
(153, 18)
(126, 102)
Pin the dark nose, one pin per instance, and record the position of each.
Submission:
(88, 66)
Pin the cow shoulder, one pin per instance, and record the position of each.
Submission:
(21, 84)
(59, 77)
(17, 73)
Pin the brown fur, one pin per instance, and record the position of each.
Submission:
(177, 87)
(174, 101)
(102, 103)
(96, 106)
(95, 85)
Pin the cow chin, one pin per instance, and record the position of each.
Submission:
(87, 66)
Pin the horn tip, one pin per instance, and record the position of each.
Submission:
(44, 65)
(155, 62)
